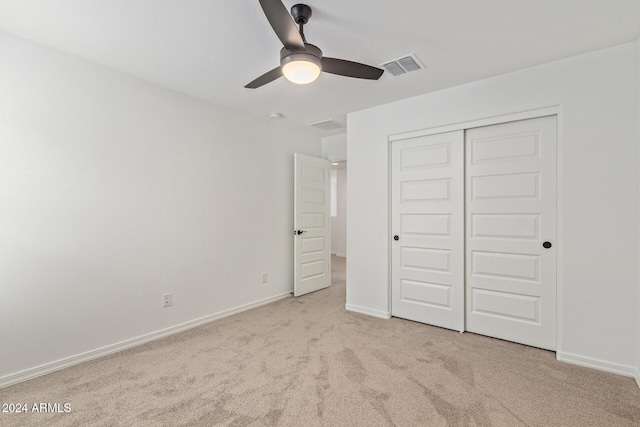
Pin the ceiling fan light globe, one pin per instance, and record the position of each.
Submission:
(301, 71)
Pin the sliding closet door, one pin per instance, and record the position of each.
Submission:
(511, 231)
(427, 246)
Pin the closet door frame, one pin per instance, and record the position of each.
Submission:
(463, 125)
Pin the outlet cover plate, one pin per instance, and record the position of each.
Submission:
(166, 300)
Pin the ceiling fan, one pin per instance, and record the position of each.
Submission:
(302, 62)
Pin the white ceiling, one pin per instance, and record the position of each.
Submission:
(211, 48)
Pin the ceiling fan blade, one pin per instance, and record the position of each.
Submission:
(282, 24)
(267, 77)
(346, 68)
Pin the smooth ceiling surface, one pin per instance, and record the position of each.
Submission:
(211, 48)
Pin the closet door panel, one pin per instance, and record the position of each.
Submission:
(428, 220)
(510, 213)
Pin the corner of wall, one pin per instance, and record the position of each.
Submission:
(334, 147)
(637, 337)
(368, 311)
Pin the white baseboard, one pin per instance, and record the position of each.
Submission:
(57, 365)
(368, 311)
(637, 378)
(601, 365)
(341, 255)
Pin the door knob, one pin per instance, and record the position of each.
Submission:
(546, 245)
(396, 237)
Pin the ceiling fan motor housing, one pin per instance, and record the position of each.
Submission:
(310, 54)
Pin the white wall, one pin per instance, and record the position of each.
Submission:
(334, 147)
(114, 191)
(597, 94)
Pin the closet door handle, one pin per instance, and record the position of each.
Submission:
(396, 237)
(547, 245)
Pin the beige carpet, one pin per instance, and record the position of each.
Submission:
(308, 362)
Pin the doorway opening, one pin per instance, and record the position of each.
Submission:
(339, 208)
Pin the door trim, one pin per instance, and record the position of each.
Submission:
(495, 120)
(554, 110)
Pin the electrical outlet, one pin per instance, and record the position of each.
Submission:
(265, 277)
(166, 300)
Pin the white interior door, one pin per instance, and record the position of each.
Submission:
(428, 229)
(312, 229)
(511, 219)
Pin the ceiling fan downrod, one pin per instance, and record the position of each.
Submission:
(301, 14)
